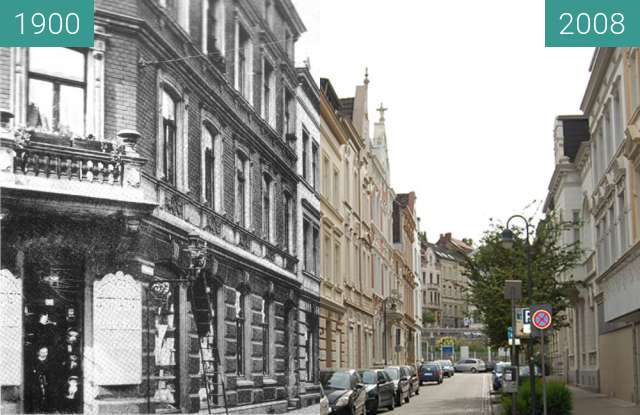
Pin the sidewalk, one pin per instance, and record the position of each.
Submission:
(309, 410)
(587, 403)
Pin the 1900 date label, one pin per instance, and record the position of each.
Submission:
(46, 23)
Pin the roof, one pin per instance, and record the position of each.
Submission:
(575, 130)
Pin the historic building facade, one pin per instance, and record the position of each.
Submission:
(308, 226)
(404, 234)
(150, 213)
(455, 285)
(596, 187)
(333, 138)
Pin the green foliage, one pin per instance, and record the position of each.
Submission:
(428, 317)
(559, 399)
(491, 264)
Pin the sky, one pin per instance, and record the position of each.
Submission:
(471, 92)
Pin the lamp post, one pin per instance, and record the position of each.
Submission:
(507, 241)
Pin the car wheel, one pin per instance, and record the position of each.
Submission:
(474, 370)
(399, 399)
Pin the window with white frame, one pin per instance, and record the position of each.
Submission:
(314, 167)
(305, 154)
(613, 240)
(618, 117)
(57, 80)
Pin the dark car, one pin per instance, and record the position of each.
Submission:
(498, 375)
(414, 381)
(380, 389)
(345, 392)
(430, 372)
(402, 388)
(490, 366)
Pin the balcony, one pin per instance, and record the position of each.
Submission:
(45, 170)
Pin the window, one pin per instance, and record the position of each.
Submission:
(315, 250)
(243, 66)
(268, 88)
(576, 226)
(635, 82)
(214, 30)
(288, 223)
(240, 320)
(618, 117)
(266, 356)
(325, 177)
(56, 91)
(169, 137)
(267, 209)
(305, 154)
(336, 188)
(306, 245)
(622, 220)
(613, 240)
(314, 166)
(268, 13)
(166, 344)
(212, 166)
(337, 264)
(326, 264)
(288, 110)
(242, 193)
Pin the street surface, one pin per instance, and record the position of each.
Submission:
(465, 393)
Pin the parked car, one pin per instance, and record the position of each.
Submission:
(414, 380)
(431, 372)
(524, 372)
(380, 389)
(490, 365)
(470, 365)
(324, 402)
(447, 367)
(345, 391)
(498, 374)
(401, 385)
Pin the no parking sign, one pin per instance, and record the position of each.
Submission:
(541, 318)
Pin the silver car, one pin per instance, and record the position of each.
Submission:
(470, 365)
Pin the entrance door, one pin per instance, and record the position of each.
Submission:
(53, 339)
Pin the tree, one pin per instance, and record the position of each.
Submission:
(428, 317)
(491, 264)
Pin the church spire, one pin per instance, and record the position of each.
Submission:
(366, 76)
(382, 110)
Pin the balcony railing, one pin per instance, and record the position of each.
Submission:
(40, 162)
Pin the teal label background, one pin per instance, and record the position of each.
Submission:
(10, 25)
(553, 25)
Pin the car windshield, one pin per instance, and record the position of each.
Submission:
(393, 372)
(336, 380)
(369, 377)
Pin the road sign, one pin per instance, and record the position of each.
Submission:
(542, 319)
(513, 289)
(523, 322)
(447, 349)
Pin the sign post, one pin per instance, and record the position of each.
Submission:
(513, 292)
(542, 320)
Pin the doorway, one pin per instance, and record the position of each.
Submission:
(53, 340)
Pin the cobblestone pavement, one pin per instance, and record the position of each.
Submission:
(462, 394)
(309, 410)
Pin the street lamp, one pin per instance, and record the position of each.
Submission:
(507, 241)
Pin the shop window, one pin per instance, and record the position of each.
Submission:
(165, 370)
(56, 91)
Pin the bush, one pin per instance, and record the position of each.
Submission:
(559, 399)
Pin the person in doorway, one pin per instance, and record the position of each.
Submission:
(41, 381)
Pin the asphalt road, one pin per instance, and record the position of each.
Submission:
(462, 394)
